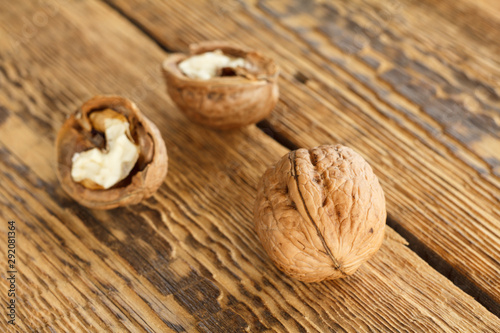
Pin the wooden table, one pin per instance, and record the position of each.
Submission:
(413, 86)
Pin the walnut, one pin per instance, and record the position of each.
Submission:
(320, 213)
(109, 154)
(221, 85)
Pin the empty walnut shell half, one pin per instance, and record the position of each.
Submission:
(320, 213)
(245, 96)
(77, 135)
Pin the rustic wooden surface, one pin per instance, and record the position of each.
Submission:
(399, 85)
(421, 106)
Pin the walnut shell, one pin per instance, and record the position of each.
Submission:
(77, 135)
(320, 213)
(224, 102)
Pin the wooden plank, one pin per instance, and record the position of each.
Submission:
(419, 105)
(186, 259)
(414, 50)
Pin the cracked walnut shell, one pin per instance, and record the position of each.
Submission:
(320, 213)
(234, 98)
(83, 131)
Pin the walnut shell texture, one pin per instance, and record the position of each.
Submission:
(224, 102)
(77, 135)
(320, 213)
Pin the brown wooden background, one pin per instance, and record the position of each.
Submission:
(414, 86)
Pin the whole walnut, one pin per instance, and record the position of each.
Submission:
(320, 213)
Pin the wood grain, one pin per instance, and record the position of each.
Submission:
(404, 85)
(186, 259)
